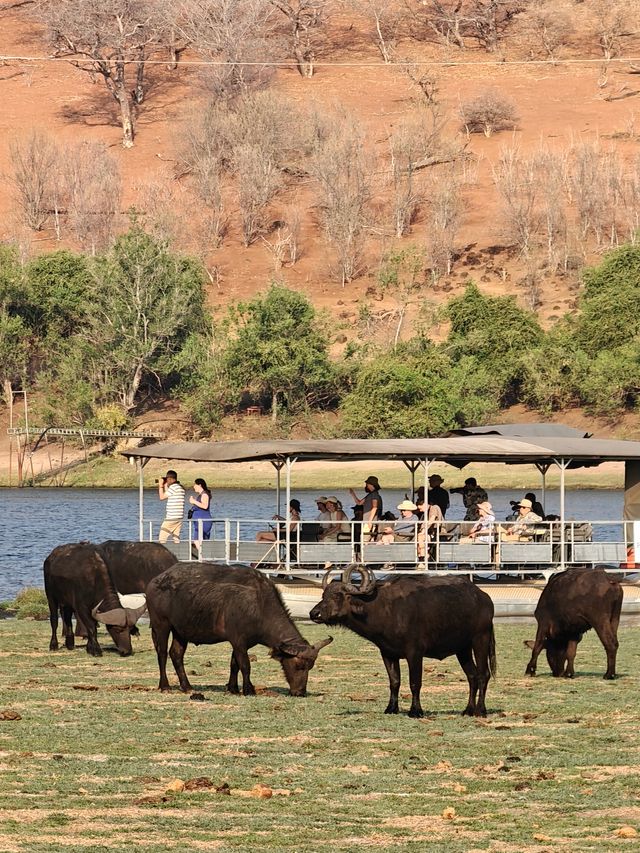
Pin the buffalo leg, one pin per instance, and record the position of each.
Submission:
(160, 639)
(609, 639)
(415, 682)
(484, 655)
(176, 653)
(93, 646)
(572, 648)
(53, 619)
(392, 666)
(244, 664)
(67, 626)
(538, 646)
(465, 659)
(232, 684)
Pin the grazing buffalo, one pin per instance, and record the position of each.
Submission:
(413, 618)
(570, 604)
(206, 603)
(77, 580)
(86, 579)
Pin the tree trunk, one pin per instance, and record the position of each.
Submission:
(132, 389)
(124, 100)
(138, 92)
(7, 392)
(274, 406)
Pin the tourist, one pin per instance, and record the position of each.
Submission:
(171, 491)
(200, 513)
(472, 496)
(280, 533)
(522, 531)
(371, 506)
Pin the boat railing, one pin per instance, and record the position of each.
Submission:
(448, 546)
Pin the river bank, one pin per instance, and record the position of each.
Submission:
(114, 472)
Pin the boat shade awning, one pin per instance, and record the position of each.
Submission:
(456, 450)
(536, 430)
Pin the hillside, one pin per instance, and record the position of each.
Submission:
(559, 106)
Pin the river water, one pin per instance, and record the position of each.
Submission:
(36, 520)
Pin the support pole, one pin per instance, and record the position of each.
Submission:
(413, 466)
(277, 464)
(562, 464)
(287, 533)
(425, 520)
(543, 467)
(140, 467)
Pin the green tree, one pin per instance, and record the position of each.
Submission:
(146, 300)
(279, 348)
(552, 371)
(59, 286)
(610, 306)
(400, 276)
(416, 391)
(611, 381)
(14, 352)
(497, 332)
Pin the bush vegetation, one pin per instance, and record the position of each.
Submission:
(100, 336)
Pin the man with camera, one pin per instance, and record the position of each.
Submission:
(171, 491)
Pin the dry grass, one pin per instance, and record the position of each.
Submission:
(555, 765)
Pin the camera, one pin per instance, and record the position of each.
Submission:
(514, 504)
(157, 481)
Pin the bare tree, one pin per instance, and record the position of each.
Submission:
(259, 179)
(111, 39)
(516, 179)
(488, 112)
(238, 35)
(613, 21)
(93, 192)
(35, 162)
(552, 178)
(406, 149)
(386, 19)
(444, 220)
(547, 27)
(339, 164)
(445, 19)
(305, 24)
(489, 19)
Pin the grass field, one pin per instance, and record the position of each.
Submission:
(93, 759)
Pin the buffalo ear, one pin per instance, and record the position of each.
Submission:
(529, 643)
(357, 606)
(287, 650)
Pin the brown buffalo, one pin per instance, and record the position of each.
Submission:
(571, 603)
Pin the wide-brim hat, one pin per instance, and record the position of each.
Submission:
(332, 499)
(321, 500)
(526, 503)
(373, 481)
(485, 506)
(408, 505)
(436, 478)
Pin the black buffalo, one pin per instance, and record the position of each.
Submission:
(77, 580)
(85, 579)
(572, 602)
(413, 618)
(206, 603)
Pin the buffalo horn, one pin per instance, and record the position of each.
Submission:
(133, 614)
(117, 618)
(366, 584)
(326, 579)
(322, 644)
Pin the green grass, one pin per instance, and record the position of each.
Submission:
(556, 765)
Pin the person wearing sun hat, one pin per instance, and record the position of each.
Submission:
(371, 503)
(405, 529)
(436, 494)
(522, 529)
(339, 523)
(483, 528)
(324, 516)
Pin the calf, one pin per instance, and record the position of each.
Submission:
(571, 603)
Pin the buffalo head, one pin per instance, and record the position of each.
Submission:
(343, 599)
(120, 623)
(297, 659)
(556, 649)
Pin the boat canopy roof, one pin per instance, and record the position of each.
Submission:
(536, 430)
(457, 450)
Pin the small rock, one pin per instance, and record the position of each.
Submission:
(626, 832)
(10, 715)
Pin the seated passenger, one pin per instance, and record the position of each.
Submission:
(338, 526)
(434, 521)
(522, 530)
(483, 528)
(536, 506)
(280, 533)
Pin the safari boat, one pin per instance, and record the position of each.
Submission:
(513, 573)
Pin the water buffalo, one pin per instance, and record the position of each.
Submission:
(412, 618)
(205, 603)
(572, 602)
(86, 579)
(77, 580)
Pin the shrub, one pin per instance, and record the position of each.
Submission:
(31, 603)
(488, 113)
